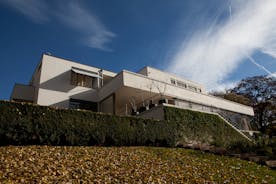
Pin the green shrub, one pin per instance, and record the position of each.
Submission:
(203, 128)
(24, 124)
(263, 146)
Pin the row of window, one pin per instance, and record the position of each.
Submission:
(184, 85)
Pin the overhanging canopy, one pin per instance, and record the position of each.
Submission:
(86, 72)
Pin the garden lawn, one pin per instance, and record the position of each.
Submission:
(64, 164)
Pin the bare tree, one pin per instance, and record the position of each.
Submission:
(132, 102)
(161, 89)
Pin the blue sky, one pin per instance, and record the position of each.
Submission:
(210, 42)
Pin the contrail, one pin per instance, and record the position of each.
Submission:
(230, 11)
(221, 47)
(248, 56)
(260, 66)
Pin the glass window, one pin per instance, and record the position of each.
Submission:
(173, 81)
(81, 80)
(192, 88)
(181, 84)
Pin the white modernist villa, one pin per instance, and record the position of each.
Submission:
(65, 84)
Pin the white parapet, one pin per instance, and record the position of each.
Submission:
(142, 82)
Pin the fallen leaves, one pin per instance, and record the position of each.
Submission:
(49, 164)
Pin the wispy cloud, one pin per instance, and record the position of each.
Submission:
(89, 28)
(223, 87)
(210, 55)
(96, 35)
(36, 10)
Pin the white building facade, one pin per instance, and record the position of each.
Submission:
(62, 83)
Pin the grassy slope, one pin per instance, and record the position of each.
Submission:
(124, 164)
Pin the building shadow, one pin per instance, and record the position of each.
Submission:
(61, 83)
(88, 96)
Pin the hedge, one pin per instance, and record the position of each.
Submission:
(25, 124)
(203, 128)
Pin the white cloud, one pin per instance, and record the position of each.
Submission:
(210, 56)
(223, 87)
(36, 10)
(96, 35)
(91, 30)
(272, 75)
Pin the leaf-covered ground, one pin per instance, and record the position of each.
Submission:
(49, 164)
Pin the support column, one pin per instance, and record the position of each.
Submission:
(114, 103)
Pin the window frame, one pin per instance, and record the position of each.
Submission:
(81, 80)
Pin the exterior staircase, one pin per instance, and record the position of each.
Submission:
(237, 127)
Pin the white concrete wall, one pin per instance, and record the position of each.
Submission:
(107, 105)
(144, 71)
(28, 92)
(55, 87)
(113, 85)
(35, 81)
(166, 77)
(23, 92)
(132, 79)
